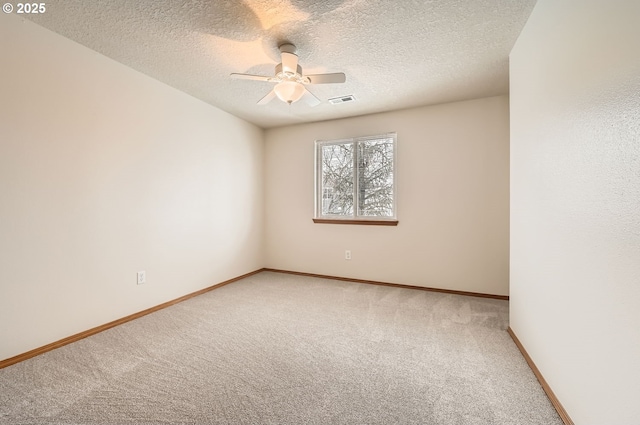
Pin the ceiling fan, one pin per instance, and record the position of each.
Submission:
(290, 82)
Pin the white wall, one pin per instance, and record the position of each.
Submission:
(452, 202)
(575, 203)
(104, 172)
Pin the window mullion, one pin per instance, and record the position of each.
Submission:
(356, 179)
(318, 181)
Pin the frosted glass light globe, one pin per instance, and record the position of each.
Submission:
(289, 91)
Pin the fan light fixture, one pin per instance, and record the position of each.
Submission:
(289, 91)
(290, 81)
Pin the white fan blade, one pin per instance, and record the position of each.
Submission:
(289, 63)
(310, 99)
(338, 77)
(268, 98)
(250, 77)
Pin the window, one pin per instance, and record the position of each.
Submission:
(355, 180)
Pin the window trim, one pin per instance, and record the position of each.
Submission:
(319, 218)
(366, 222)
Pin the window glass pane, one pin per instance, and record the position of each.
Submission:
(337, 179)
(375, 178)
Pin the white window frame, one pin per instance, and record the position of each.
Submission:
(318, 193)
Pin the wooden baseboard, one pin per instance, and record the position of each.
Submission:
(395, 285)
(73, 338)
(545, 386)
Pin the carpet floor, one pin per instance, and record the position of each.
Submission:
(283, 349)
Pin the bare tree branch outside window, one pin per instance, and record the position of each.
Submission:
(356, 177)
(337, 179)
(375, 178)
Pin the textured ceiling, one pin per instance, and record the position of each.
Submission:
(396, 54)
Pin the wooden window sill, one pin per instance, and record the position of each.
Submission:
(359, 222)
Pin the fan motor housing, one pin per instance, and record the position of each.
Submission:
(279, 71)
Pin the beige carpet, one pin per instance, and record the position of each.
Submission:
(283, 349)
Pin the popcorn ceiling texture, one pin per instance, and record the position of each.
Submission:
(395, 54)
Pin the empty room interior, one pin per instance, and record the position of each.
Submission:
(312, 212)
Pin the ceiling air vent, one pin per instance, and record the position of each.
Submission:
(342, 99)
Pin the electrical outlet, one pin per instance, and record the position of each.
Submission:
(347, 255)
(142, 277)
